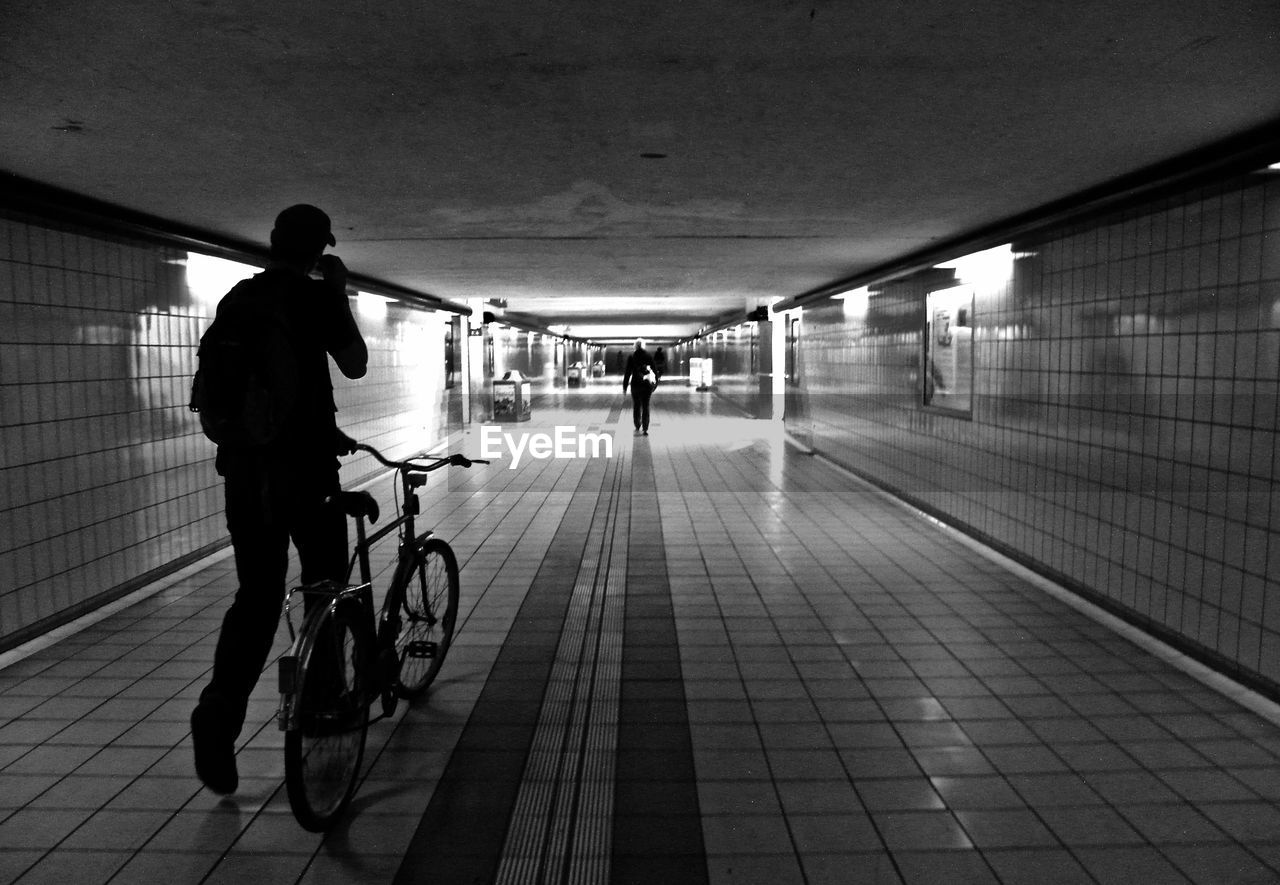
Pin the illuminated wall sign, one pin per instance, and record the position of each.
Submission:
(948, 349)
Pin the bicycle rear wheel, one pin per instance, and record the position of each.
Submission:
(422, 608)
(325, 746)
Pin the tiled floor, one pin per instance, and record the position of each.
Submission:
(756, 670)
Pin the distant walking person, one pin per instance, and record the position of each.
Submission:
(660, 362)
(277, 480)
(642, 378)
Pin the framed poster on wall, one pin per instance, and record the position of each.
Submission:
(948, 350)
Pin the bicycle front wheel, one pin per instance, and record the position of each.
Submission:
(324, 748)
(422, 608)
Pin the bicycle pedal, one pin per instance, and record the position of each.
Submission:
(422, 648)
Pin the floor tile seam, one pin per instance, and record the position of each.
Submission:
(991, 682)
(873, 621)
(796, 848)
(544, 505)
(168, 817)
(101, 748)
(1247, 698)
(559, 515)
(21, 652)
(1003, 774)
(907, 747)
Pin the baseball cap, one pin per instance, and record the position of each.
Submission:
(304, 222)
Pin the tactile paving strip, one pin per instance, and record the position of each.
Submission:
(561, 828)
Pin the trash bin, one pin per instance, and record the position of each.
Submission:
(700, 373)
(575, 374)
(511, 398)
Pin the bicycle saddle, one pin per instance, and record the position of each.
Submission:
(357, 504)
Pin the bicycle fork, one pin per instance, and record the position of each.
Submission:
(307, 641)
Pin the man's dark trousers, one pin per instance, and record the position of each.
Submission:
(267, 505)
(640, 393)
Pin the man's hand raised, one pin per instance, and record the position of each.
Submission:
(333, 271)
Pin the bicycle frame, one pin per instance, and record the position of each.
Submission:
(413, 475)
(410, 481)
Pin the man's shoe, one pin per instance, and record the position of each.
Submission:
(215, 751)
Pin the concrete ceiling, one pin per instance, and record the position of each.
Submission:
(630, 163)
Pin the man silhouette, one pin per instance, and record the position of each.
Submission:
(277, 492)
(642, 378)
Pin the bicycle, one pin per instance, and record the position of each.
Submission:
(342, 658)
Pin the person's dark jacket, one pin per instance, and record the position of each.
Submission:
(316, 329)
(637, 362)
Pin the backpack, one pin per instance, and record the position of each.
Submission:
(246, 382)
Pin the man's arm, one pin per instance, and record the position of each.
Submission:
(353, 356)
(353, 360)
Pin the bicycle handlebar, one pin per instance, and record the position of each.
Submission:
(455, 460)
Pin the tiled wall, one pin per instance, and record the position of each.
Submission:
(1122, 431)
(543, 361)
(538, 358)
(105, 476)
